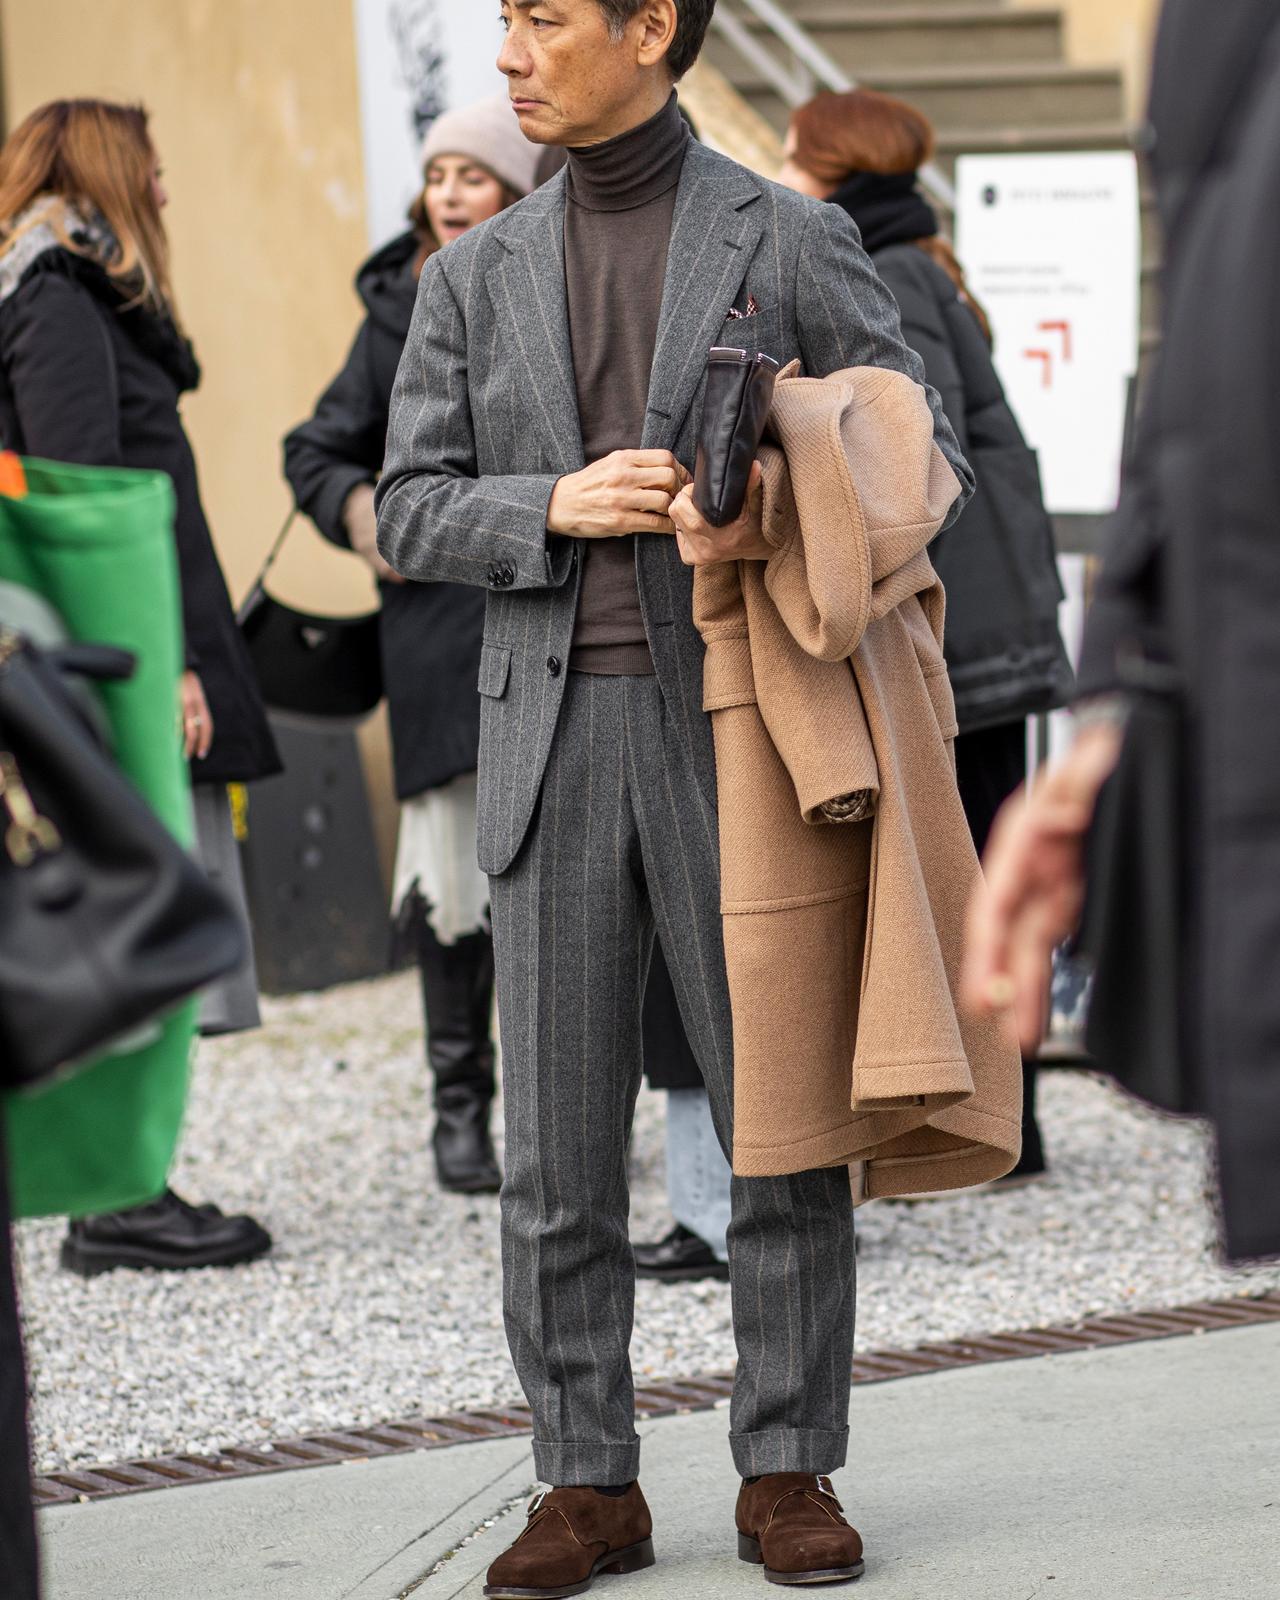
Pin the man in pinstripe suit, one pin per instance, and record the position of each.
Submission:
(543, 424)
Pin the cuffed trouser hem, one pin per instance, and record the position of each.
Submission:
(585, 1461)
(789, 1450)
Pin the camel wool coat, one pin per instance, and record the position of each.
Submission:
(828, 694)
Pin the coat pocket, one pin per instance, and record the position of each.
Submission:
(727, 676)
(495, 670)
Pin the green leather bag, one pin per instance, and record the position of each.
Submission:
(98, 545)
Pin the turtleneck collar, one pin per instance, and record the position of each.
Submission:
(633, 168)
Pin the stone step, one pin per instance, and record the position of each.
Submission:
(953, 142)
(886, 36)
(975, 96)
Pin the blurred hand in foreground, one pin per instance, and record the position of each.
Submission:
(1035, 883)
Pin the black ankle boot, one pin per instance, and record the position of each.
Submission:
(457, 996)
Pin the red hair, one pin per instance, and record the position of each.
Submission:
(861, 130)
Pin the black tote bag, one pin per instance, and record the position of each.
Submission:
(105, 921)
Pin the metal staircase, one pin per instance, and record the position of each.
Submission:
(990, 76)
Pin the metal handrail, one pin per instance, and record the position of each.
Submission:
(795, 90)
(801, 45)
(816, 67)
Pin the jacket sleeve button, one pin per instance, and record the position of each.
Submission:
(553, 666)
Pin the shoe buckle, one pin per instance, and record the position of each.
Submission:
(535, 1504)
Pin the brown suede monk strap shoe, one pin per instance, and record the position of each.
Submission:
(792, 1523)
(573, 1536)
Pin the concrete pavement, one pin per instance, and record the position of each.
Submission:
(1149, 1472)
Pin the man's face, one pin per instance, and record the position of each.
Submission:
(571, 81)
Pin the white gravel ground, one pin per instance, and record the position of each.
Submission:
(381, 1298)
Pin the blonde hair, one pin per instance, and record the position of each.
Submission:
(93, 155)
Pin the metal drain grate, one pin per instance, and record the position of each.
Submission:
(652, 1400)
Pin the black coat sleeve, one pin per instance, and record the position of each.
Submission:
(60, 366)
(989, 422)
(341, 446)
(907, 274)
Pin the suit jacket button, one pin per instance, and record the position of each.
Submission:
(553, 666)
(492, 576)
(508, 574)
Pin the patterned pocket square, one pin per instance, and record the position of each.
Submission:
(752, 310)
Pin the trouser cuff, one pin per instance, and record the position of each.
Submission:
(599, 1462)
(817, 1450)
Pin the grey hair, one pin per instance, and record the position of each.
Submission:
(693, 20)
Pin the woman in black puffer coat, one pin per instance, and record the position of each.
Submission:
(93, 366)
(476, 162)
(863, 151)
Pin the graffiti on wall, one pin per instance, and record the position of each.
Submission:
(419, 42)
(417, 58)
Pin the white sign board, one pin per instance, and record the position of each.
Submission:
(417, 58)
(1052, 248)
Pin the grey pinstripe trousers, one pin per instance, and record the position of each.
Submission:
(625, 841)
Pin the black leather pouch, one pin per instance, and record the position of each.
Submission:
(739, 395)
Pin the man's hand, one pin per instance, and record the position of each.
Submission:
(1034, 893)
(629, 491)
(361, 523)
(701, 545)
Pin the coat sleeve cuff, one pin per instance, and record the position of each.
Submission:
(327, 510)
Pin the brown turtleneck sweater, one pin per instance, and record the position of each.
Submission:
(617, 230)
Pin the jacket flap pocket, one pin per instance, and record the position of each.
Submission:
(727, 676)
(495, 669)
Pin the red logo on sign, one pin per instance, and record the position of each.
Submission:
(1047, 357)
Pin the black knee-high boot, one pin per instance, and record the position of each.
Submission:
(457, 997)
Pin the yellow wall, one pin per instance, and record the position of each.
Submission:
(256, 116)
(1108, 33)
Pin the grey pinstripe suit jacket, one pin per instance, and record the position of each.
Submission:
(484, 420)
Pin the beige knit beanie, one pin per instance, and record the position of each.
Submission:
(489, 133)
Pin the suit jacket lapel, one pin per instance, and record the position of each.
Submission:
(714, 232)
(530, 291)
